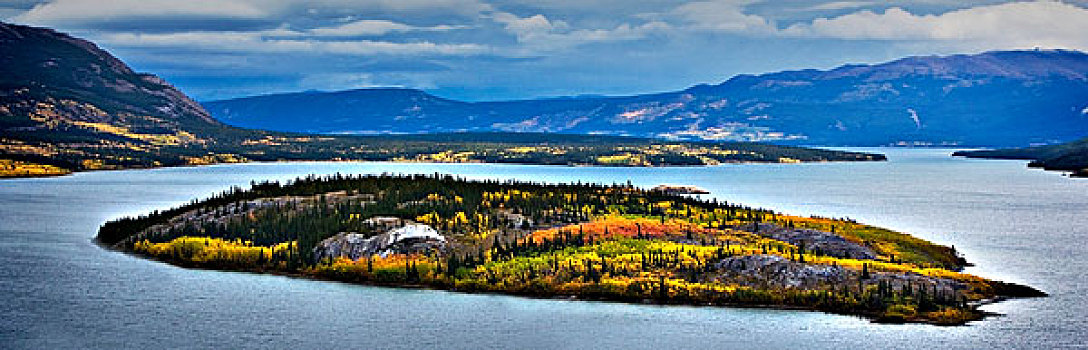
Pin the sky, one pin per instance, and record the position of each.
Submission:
(480, 50)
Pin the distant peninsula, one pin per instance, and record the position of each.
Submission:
(575, 240)
(1071, 157)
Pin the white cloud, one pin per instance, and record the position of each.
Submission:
(538, 32)
(270, 42)
(375, 27)
(722, 16)
(1014, 25)
(76, 13)
(462, 7)
(528, 27)
(839, 5)
(1003, 26)
(65, 12)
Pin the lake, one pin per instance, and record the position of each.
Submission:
(60, 290)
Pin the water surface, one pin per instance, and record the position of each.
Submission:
(61, 291)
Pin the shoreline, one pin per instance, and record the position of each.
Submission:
(979, 315)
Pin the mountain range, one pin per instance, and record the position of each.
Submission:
(1001, 98)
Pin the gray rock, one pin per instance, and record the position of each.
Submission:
(829, 244)
(763, 271)
(407, 239)
(776, 271)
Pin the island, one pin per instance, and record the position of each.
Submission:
(571, 240)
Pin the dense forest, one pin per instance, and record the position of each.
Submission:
(593, 241)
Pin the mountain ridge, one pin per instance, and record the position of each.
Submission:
(81, 63)
(981, 99)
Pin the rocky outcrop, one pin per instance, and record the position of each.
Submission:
(825, 243)
(778, 272)
(679, 189)
(407, 239)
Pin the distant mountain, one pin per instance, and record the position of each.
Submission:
(381, 109)
(67, 105)
(1003, 98)
(1072, 156)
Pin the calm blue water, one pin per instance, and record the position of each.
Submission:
(59, 290)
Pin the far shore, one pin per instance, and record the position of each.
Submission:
(72, 172)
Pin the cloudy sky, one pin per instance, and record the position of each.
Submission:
(505, 49)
